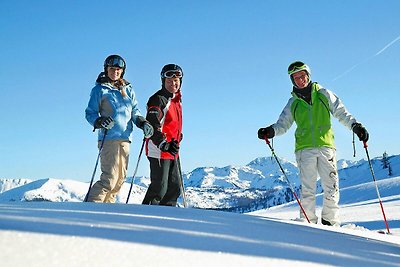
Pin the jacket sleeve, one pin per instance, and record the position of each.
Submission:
(92, 110)
(337, 109)
(136, 116)
(285, 120)
(155, 115)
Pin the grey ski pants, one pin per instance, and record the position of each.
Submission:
(311, 163)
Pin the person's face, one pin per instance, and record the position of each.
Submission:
(172, 84)
(114, 73)
(301, 79)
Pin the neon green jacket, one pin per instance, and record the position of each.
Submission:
(314, 128)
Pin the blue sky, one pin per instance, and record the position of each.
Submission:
(234, 55)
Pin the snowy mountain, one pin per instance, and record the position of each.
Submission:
(254, 186)
(360, 172)
(7, 184)
(258, 185)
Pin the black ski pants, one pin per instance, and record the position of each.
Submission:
(165, 177)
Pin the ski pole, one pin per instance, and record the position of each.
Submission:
(376, 186)
(178, 164)
(136, 168)
(95, 166)
(287, 180)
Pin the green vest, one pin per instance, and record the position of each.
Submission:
(313, 121)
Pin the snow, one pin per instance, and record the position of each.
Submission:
(44, 223)
(83, 234)
(359, 206)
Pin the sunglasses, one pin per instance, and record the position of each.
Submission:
(173, 74)
(116, 62)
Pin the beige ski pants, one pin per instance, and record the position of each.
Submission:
(114, 164)
(311, 163)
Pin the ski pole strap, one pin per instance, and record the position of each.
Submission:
(354, 146)
(365, 144)
(269, 144)
(266, 140)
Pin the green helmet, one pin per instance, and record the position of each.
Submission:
(298, 66)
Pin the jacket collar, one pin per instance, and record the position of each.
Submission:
(168, 94)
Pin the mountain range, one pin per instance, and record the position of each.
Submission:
(258, 185)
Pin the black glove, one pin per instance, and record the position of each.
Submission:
(268, 132)
(170, 147)
(360, 131)
(104, 122)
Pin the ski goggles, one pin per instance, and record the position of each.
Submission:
(296, 67)
(172, 74)
(116, 62)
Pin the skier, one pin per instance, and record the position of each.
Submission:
(113, 109)
(311, 107)
(164, 112)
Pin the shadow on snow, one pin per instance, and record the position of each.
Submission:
(195, 229)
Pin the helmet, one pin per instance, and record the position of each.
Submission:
(115, 61)
(170, 71)
(298, 66)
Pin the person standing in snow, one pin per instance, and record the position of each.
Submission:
(164, 112)
(113, 109)
(311, 107)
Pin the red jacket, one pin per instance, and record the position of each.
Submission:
(164, 112)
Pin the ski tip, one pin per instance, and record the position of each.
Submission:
(383, 232)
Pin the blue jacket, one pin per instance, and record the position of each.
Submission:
(106, 100)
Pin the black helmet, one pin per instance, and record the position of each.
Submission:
(171, 70)
(115, 61)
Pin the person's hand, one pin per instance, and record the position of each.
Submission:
(104, 122)
(268, 132)
(147, 130)
(170, 147)
(360, 131)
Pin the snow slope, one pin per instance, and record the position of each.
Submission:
(90, 234)
(359, 206)
(44, 223)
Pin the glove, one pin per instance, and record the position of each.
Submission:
(104, 122)
(170, 147)
(268, 132)
(147, 130)
(145, 125)
(360, 131)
